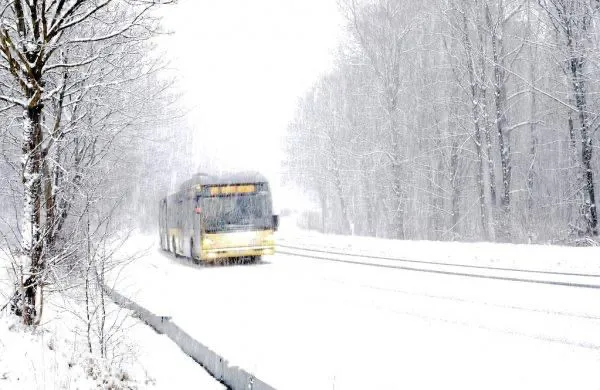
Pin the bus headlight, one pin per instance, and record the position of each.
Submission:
(207, 243)
(269, 240)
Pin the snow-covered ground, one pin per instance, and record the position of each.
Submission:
(54, 355)
(300, 323)
(529, 257)
(48, 358)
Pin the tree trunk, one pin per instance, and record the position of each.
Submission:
(456, 189)
(368, 200)
(477, 139)
(32, 264)
(532, 133)
(323, 201)
(578, 83)
(398, 193)
(496, 30)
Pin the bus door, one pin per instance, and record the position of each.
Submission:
(197, 227)
(162, 224)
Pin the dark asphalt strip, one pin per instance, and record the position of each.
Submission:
(440, 272)
(440, 263)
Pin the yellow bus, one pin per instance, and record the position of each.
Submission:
(219, 217)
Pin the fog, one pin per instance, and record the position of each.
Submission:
(243, 65)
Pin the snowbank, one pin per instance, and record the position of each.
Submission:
(519, 256)
(40, 358)
(235, 377)
(55, 355)
(298, 323)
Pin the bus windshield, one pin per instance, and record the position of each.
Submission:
(241, 212)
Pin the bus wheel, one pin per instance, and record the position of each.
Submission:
(192, 251)
(173, 247)
(248, 259)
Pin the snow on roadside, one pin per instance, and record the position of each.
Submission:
(34, 359)
(520, 256)
(166, 364)
(303, 324)
(55, 354)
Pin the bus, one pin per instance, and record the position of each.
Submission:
(219, 217)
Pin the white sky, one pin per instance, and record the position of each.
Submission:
(243, 65)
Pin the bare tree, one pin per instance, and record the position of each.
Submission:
(468, 120)
(573, 21)
(46, 49)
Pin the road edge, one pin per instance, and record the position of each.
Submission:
(233, 377)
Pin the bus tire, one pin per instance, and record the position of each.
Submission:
(192, 250)
(173, 247)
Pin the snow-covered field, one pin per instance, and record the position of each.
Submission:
(49, 358)
(300, 323)
(54, 355)
(529, 257)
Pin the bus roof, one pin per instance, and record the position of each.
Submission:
(246, 177)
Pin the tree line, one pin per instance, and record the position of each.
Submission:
(456, 120)
(89, 133)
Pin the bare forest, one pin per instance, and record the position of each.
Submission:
(387, 154)
(90, 131)
(456, 120)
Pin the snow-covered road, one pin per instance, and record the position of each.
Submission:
(300, 323)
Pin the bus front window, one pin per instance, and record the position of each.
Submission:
(240, 212)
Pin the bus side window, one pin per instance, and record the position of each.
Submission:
(179, 213)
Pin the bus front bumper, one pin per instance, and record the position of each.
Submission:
(223, 253)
